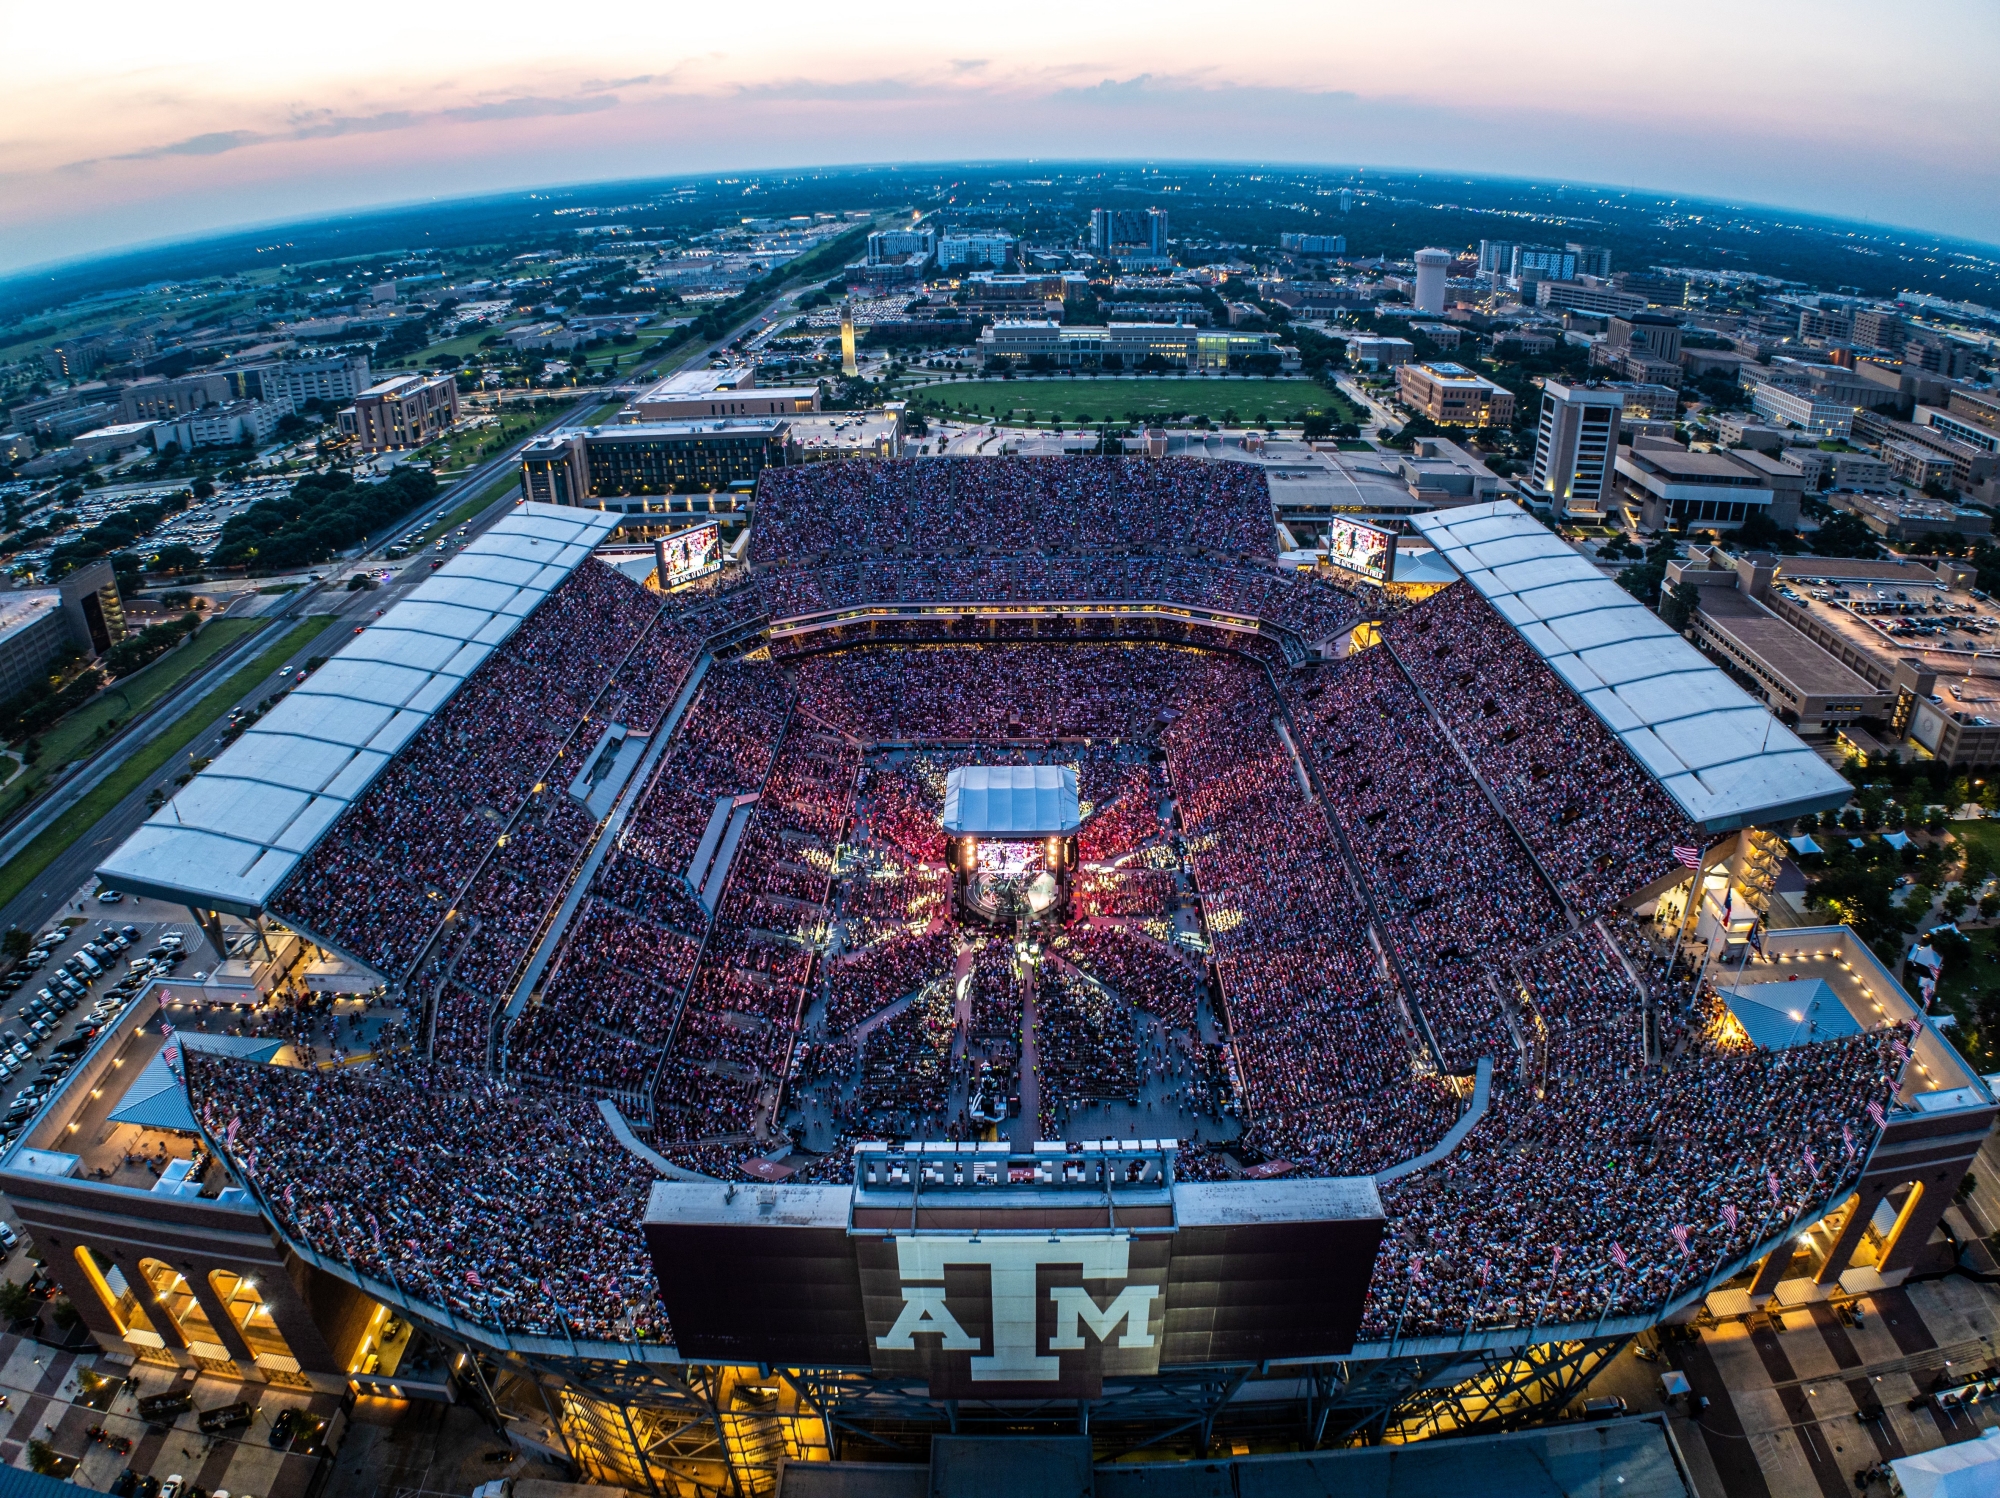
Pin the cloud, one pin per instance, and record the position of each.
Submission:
(323, 125)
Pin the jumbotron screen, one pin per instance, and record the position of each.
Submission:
(689, 554)
(1366, 549)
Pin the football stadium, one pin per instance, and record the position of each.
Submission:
(999, 949)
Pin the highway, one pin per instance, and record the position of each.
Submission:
(59, 885)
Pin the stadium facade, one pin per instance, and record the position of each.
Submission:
(1354, 1095)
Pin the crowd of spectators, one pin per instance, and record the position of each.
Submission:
(1125, 818)
(875, 977)
(1451, 885)
(1139, 970)
(1598, 822)
(1331, 1070)
(1015, 505)
(1086, 1046)
(511, 1207)
(378, 884)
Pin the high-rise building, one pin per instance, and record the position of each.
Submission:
(1313, 244)
(848, 366)
(402, 412)
(1591, 259)
(888, 245)
(1541, 262)
(1575, 446)
(974, 249)
(1883, 330)
(1124, 232)
(1346, 201)
(1496, 257)
(1432, 267)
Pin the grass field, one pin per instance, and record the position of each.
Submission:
(1031, 402)
(26, 866)
(77, 734)
(464, 449)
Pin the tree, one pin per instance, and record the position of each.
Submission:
(16, 944)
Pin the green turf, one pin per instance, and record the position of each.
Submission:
(27, 865)
(1083, 400)
(464, 449)
(76, 735)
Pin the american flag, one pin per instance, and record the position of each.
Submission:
(1811, 1163)
(1688, 857)
(1681, 1237)
(1729, 1215)
(171, 1052)
(1875, 1112)
(1417, 1268)
(1771, 1178)
(1902, 1051)
(229, 1137)
(1485, 1271)
(1556, 1256)
(1847, 1140)
(472, 1279)
(1618, 1255)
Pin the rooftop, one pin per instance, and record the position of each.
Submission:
(1717, 752)
(692, 383)
(243, 824)
(19, 610)
(1801, 663)
(1011, 801)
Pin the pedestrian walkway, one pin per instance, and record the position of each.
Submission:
(56, 1397)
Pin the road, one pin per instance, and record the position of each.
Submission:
(58, 886)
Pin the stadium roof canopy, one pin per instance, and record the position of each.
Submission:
(1011, 801)
(1715, 749)
(239, 827)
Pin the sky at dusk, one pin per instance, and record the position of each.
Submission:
(122, 124)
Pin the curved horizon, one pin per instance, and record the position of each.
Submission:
(253, 117)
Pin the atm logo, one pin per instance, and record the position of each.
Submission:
(1023, 1339)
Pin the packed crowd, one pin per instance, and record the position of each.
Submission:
(1086, 1046)
(1131, 817)
(1600, 825)
(1329, 1064)
(1305, 603)
(1451, 886)
(540, 1238)
(1140, 971)
(964, 693)
(379, 882)
(870, 980)
(1015, 505)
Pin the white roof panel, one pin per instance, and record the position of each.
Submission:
(240, 827)
(1011, 800)
(1713, 747)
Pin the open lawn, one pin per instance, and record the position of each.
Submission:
(27, 865)
(465, 448)
(1970, 989)
(78, 734)
(1082, 400)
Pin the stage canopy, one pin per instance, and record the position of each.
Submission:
(1011, 801)
(1777, 1016)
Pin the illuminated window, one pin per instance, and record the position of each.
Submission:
(247, 1308)
(119, 1298)
(175, 1294)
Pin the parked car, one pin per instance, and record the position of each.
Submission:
(109, 897)
(226, 1417)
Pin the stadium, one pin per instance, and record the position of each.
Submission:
(1008, 951)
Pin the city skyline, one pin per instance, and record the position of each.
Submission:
(149, 135)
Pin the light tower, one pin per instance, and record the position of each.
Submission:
(1431, 267)
(847, 365)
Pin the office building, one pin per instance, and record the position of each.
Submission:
(1531, 263)
(1591, 259)
(1432, 268)
(109, 441)
(1708, 491)
(954, 250)
(1826, 324)
(1575, 444)
(402, 413)
(1496, 257)
(1588, 295)
(1452, 395)
(1903, 517)
(222, 425)
(697, 394)
(1654, 334)
(620, 467)
(1972, 450)
(1800, 406)
(889, 245)
(1126, 233)
(1647, 402)
(161, 400)
(1862, 474)
(81, 612)
(289, 383)
(1916, 466)
(1878, 329)
(1118, 345)
(1313, 244)
(1380, 353)
(1946, 357)
(1657, 290)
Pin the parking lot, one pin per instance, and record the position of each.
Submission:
(77, 978)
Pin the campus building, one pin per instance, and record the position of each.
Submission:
(1118, 345)
(402, 413)
(1452, 395)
